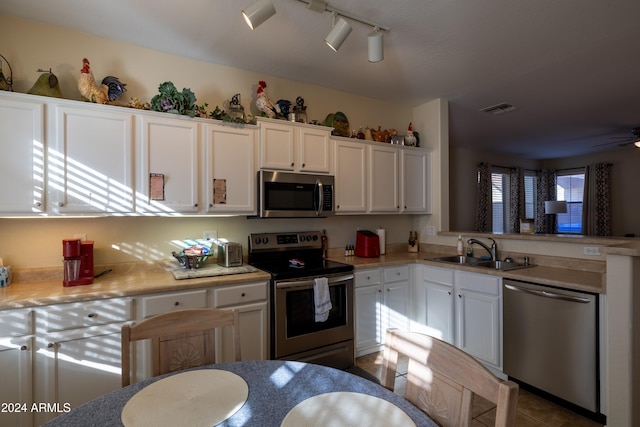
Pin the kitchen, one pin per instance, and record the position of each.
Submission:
(128, 239)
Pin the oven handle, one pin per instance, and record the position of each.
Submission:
(305, 284)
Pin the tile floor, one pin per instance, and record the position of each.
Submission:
(533, 411)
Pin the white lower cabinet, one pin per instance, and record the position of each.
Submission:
(434, 304)
(251, 301)
(382, 302)
(16, 356)
(462, 308)
(78, 353)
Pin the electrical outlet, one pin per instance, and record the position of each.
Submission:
(591, 250)
(210, 235)
(431, 230)
(81, 236)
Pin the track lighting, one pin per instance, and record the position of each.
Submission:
(376, 48)
(258, 12)
(339, 33)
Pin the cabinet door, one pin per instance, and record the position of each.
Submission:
(90, 166)
(22, 179)
(254, 333)
(479, 325)
(368, 322)
(383, 179)
(277, 146)
(230, 176)
(314, 150)
(350, 162)
(16, 356)
(433, 303)
(396, 306)
(76, 367)
(167, 168)
(415, 181)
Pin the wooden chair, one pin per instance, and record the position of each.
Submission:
(179, 339)
(442, 379)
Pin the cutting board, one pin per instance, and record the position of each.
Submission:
(211, 270)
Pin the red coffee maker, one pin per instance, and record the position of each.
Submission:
(78, 262)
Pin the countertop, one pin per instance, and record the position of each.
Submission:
(146, 278)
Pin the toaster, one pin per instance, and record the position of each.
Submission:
(230, 254)
(367, 244)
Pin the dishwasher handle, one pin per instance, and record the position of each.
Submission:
(547, 294)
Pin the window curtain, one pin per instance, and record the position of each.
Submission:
(516, 206)
(596, 201)
(546, 190)
(483, 203)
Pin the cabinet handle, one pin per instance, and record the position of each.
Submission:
(304, 164)
(210, 205)
(338, 207)
(38, 204)
(195, 205)
(459, 296)
(60, 204)
(177, 303)
(449, 292)
(243, 295)
(292, 164)
(52, 345)
(24, 347)
(92, 315)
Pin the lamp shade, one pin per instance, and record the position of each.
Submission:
(555, 206)
(338, 34)
(376, 48)
(258, 12)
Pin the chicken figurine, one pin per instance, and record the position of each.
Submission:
(88, 87)
(263, 102)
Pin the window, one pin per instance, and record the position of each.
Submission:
(570, 187)
(530, 189)
(500, 201)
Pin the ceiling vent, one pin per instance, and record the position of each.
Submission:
(499, 108)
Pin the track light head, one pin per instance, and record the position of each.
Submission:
(376, 47)
(338, 34)
(258, 12)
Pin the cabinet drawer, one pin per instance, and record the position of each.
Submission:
(81, 315)
(396, 274)
(437, 275)
(239, 294)
(367, 277)
(14, 323)
(483, 283)
(164, 303)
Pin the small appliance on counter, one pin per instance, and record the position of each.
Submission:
(367, 244)
(78, 262)
(230, 254)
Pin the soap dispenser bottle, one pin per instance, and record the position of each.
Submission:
(460, 246)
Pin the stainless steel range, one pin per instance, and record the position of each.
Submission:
(294, 260)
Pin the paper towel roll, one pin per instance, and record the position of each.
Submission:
(381, 237)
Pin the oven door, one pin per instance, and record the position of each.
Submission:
(295, 328)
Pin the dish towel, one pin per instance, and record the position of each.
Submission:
(321, 298)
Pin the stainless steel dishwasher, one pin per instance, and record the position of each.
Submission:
(551, 341)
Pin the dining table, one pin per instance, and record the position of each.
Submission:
(249, 393)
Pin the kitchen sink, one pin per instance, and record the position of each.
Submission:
(481, 263)
(459, 259)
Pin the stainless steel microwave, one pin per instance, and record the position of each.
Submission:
(295, 195)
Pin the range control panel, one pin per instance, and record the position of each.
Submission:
(285, 241)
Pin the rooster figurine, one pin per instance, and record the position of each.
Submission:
(88, 87)
(263, 102)
(116, 87)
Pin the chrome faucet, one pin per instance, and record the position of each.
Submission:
(493, 250)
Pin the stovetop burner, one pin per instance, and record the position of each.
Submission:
(292, 255)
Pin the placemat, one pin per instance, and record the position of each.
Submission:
(203, 397)
(210, 270)
(346, 409)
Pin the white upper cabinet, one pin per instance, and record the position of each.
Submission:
(415, 167)
(294, 147)
(22, 178)
(350, 177)
(384, 190)
(229, 169)
(90, 161)
(167, 175)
